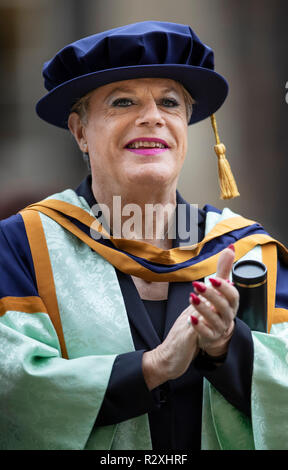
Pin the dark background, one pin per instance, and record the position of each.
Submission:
(249, 38)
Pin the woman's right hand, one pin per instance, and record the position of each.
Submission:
(172, 357)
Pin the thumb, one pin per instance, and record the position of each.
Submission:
(225, 262)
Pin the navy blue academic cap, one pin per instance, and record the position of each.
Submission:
(150, 49)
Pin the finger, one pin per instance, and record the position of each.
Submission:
(203, 329)
(212, 319)
(190, 310)
(225, 262)
(218, 301)
(227, 290)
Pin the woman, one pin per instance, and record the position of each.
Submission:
(106, 343)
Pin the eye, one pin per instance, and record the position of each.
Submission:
(122, 102)
(169, 102)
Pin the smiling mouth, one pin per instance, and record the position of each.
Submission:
(147, 146)
(144, 142)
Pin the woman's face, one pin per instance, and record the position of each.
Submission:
(136, 134)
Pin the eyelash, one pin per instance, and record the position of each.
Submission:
(119, 102)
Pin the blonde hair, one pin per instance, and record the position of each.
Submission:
(189, 101)
(81, 107)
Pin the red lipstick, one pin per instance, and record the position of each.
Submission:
(147, 150)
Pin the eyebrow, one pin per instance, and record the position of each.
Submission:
(121, 88)
(131, 90)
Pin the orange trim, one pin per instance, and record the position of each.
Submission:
(43, 271)
(269, 258)
(32, 304)
(280, 315)
(66, 208)
(129, 266)
(179, 255)
(54, 208)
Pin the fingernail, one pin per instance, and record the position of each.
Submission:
(232, 247)
(230, 282)
(199, 286)
(194, 299)
(194, 320)
(215, 282)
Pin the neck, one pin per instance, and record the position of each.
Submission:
(143, 215)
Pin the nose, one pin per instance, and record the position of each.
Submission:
(150, 115)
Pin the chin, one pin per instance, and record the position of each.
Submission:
(159, 176)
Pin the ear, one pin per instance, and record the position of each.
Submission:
(77, 128)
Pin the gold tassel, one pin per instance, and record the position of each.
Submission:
(227, 182)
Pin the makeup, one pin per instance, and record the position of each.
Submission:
(147, 151)
(200, 286)
(215, 282)
(147, 146)
(194, 299)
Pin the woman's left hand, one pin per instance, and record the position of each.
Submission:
(215, 308)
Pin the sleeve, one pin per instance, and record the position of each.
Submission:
(233, 378)
(47, 402)
(126, 382)
(281, 298)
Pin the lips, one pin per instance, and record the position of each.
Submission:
(147, 143)
(148, 151)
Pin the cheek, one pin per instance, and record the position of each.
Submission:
(104, 130)
(182, 139)
(103, 151)
(97, 137)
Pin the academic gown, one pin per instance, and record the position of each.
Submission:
(73, 331)
(174, 408)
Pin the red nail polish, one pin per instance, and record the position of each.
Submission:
(195, 299)
(194, 320)
(232, 247)
(199, 286)
(215, 282)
